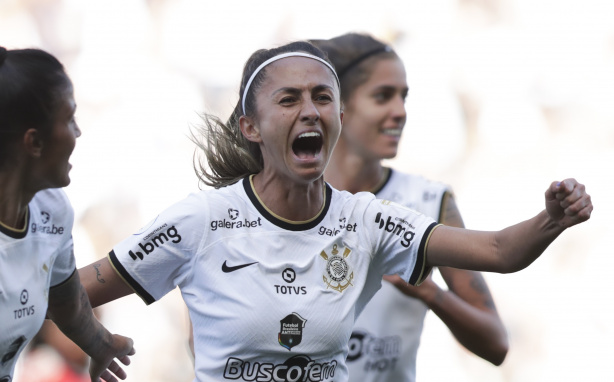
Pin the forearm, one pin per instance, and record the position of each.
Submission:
(506, 251)
(102, 283)
(479, 330)
(520, 245)
(70, 310)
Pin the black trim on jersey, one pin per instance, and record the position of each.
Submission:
(127, 278)
(415, 275)
(18, 234)
(381, 187)
(283, 224)
(65, 281)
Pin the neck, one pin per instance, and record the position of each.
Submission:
(289, 200)
(14, 199)
(351, 172)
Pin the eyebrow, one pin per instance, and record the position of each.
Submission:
(390, 88)
(297, 91)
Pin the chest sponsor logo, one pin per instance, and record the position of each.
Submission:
(298, 368)
(233, 222)
(378, 353)
(47, 229)
(343, 226)
(291, 331)
(45, 217)
(156, 239)
(23, 298)
(397, 226)
(289, 275)
(27, 310)
(338, 275)
(233, 214)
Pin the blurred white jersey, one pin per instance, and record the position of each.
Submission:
(271, 299)
(385, 339)
(32, 260)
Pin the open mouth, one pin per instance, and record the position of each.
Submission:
(307, 145)
(392, 132)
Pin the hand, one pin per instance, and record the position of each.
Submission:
(567, 203)
(425, 292)
(104, 366)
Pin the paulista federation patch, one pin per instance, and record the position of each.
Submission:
(337, 269)
(291, 330)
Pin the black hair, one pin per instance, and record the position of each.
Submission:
(354, 56)
(31, 81)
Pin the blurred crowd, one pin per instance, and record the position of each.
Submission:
(505, 97)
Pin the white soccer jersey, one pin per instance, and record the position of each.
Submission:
(386, 336)
(273, 300)
(32, 260)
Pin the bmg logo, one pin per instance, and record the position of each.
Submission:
(156, 241)
(390, 226)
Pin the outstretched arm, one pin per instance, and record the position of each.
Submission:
(71, 311)
(467, 307)
(516, 247)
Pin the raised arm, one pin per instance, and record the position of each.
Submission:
(467, 307)
(70, 309)
(102, 283)
(516, 247)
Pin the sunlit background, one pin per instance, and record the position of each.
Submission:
(505, 97)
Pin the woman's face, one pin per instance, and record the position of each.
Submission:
(375, 112)
(60, 144)
(298, 118)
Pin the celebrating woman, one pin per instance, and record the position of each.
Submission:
(273, 263)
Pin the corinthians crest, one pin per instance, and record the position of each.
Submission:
(337, 269)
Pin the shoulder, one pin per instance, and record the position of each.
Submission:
(341, 197)
(417, 182)
(52, 197)
(52, 203)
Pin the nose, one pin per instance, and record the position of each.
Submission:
(77, 131)
(398, 109)
(309, 112)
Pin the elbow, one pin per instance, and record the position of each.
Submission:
(499, 355)
(499, 350)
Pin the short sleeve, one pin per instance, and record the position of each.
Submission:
(156, 259)
(399, 236)
(64, 265)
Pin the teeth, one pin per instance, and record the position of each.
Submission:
(395, 132)
(310, 134)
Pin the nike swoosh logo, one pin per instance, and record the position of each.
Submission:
(227, 269)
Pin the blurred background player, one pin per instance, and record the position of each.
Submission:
(386, 337)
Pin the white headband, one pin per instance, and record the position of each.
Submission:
(279, 57)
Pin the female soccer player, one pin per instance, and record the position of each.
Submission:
(274, 264)
(373, 91)
(37, 267)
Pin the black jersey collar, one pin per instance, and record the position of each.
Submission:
(381, 186)
(285, 224)
(17, 233)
